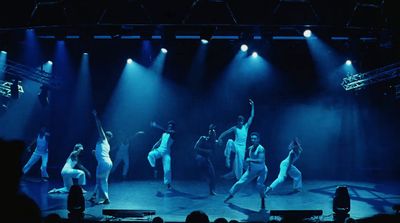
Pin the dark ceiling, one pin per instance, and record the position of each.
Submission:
(335, 17)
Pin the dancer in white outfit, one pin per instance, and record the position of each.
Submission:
(162, 150)
(104, 164)
(123, 156)
(73, 170)
(288, 169)
(237, 146)
(41, 152)
(256, 168)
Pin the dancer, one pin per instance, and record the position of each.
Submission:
(41, 152)
(73, 170)
(122, 155)
(288, 169)
(104, 164)
(238, 146)
(204, 148)
(256, 169)
(162, 150)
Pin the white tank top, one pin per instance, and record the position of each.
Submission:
(41, 144)
(70, 164)
(255, 154)
(241, 135)
(164, 142)
(103, 150)
(295, 157)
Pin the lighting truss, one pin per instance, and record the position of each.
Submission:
(25, 72)
(5, 88)
(362, 80)
(397, 91)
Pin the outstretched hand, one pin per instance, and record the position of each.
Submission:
(153, 124)
(94, 112)
(251, 102)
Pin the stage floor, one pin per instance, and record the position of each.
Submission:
(367, 199)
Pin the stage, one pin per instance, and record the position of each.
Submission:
(367, 199)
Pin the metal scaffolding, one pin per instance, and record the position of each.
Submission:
(362, 80)
(25, 72)
(5, 89)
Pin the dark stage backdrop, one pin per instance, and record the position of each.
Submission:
(344, 135)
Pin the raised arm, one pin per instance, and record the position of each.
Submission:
(157, 126)
(250, 120)
(100, 130)
(297, 143)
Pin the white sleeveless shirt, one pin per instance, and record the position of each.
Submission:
(241, 135)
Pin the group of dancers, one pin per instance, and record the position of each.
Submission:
(253, 166)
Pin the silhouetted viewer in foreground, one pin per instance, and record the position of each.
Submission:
(16, 201)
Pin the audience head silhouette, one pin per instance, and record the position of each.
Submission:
(197, 217)
(157, 220)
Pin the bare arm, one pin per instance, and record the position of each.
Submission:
(29, 148)
(226, 133)
(157, 144)
(81, 167)
(297, 143)
(250, 120)
(100, 130)
(197, 147)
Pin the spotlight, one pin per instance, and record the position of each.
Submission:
(244, 47)
(163, 50)
(348, 62)
(341, 203)
(129, 60)
(44, 96)
(85, 54)
(307, 33)
(254, 54)
(3, 52)
(50, 62)
(206, 35)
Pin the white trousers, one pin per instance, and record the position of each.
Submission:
(34, 158)
(166, 160)
(69, 174)
(248, 176)
(292, 171)
(121, 157)
(239, 150)
(102, 172)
